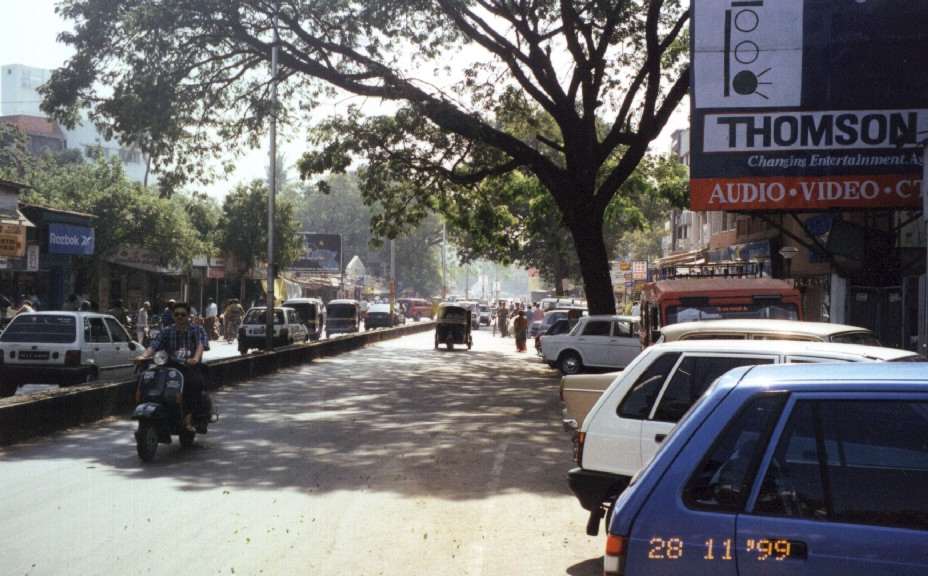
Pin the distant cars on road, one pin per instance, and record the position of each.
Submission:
(62, 348)
(288, 329)
(802, 470)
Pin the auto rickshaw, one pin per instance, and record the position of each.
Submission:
(453, 326)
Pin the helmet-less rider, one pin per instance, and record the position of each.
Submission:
(186, 343)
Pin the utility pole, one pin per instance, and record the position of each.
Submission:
(467, 282)
(923, 331)
(269, 326)
(444, 263)
(392, 277)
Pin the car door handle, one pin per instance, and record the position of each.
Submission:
(659, 438)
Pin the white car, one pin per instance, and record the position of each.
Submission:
(764, 329)
(63, 348)
(631, 419)
(599, 341)
(288, 328)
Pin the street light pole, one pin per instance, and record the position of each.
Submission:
(269, 325)
(392, 277)
(444, 264)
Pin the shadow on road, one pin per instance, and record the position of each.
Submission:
(397, 417)
(591, 567)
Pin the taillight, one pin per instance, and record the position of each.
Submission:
(578, 448)
(72, 358)
(614, 561)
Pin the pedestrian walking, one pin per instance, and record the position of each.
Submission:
(141, 323)
(502, 320)
(520, 328)
(538, 315)
(212, 314)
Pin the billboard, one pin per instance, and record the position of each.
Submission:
(70, 239)
(321, 253)
(808, 104)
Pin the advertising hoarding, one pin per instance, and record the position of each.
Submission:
(808, 104)
(70, 239)
(321, 253)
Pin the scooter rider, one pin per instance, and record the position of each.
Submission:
(187, 341)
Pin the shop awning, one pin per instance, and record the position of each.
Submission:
(18, 220)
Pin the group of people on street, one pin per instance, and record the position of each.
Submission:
(214, 325)
(521, 317)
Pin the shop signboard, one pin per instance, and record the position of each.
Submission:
(70, 239)
(807, 104)
(639, 270)
(12, 240)
(215, 272)
(321, 253)
(32, 258)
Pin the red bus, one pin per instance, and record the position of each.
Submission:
(690, 299)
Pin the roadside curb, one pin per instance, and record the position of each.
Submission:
(25, 417)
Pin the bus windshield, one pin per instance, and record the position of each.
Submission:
(693, 313)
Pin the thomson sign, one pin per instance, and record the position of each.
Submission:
(808, 104)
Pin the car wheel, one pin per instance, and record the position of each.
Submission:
(570, 363)
(146, 442)
(8, 389)
(243, 350)
(187, 438)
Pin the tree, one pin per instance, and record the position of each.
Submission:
(243, 228)
(191, 77)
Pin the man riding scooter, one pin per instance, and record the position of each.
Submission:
(188, 342)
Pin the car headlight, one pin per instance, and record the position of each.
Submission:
(161, 358)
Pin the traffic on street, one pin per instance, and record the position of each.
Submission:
(471, 287)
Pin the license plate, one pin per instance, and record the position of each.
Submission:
(256, 331)
(33, 355)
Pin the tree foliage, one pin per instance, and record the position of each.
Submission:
(243, 228)
(342, 210)
(183, 78)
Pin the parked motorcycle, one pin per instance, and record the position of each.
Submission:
(159, 409)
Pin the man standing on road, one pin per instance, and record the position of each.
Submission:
(538, 315)
(167, 317)
(212, 311)
(141, 323)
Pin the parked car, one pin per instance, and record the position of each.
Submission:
(312, 313)
(288, 328)
(342, 317)
(630, 420)
(63, 348)
(581, 394)
(379, 316)
(555, 322)
(600, 341)
(786, 470)
(762, 329)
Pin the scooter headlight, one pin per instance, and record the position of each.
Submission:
(161, 358)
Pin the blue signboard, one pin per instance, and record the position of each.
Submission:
(69, 239)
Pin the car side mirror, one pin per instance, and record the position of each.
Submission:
(132, 346)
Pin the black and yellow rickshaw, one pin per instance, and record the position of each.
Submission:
(453, 326)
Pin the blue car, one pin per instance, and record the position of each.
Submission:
(818, 469)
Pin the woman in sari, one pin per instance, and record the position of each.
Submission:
(520, 328)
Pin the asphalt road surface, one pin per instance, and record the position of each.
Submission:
(396, 459)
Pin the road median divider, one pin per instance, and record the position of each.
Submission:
(41, 413)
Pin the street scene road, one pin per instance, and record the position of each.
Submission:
(395, 459)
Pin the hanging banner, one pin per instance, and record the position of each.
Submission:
(32, 258)
(807, 104)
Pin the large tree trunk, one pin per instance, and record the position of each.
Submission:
(587, 232)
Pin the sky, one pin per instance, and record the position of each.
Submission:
(28, 35)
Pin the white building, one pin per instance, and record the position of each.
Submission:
(19, 95)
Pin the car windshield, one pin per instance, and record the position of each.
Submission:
(754, 310)
(341, 311)
(454, 314)
(42, 328)
(865, 338)
(259, 316)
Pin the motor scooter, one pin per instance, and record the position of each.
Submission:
(159, 409)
